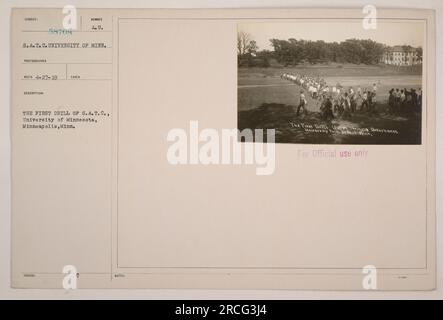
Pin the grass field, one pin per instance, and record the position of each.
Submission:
(267, 101)
(335, 69)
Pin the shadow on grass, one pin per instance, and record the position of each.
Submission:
(360, 128)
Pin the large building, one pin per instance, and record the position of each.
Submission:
(402, 56)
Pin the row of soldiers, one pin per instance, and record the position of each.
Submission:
(404, 100)
(333, 101)
(314, 85)
(347, 102)
(337, 102)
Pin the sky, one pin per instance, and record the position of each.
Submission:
(392, 32)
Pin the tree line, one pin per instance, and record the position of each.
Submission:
(358, 51)
(292, 51)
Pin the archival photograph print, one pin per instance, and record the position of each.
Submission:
(332, 81)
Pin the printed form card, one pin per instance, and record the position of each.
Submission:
(225, 149)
